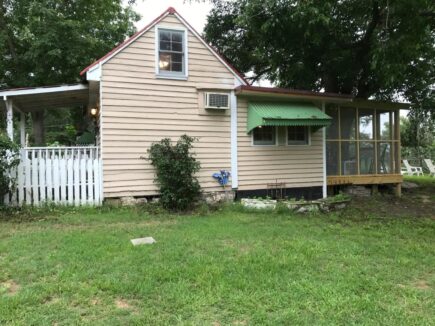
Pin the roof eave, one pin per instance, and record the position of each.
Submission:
(291, 95)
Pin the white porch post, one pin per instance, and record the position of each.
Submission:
(23, 129)
(9, 118)
(325, 180)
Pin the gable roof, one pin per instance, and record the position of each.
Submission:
(169, 11)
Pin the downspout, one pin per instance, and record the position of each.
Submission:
(325, 180)
(234, 154)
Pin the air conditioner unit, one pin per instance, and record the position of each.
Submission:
(219, 101)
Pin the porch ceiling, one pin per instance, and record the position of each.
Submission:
(41, 98)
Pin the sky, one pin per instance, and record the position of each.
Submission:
(195, 13)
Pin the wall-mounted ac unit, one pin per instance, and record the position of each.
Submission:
(219, 101)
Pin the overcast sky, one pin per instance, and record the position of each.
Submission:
(195, 13)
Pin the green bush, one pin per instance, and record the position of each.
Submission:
(9, 158)
(175, 172)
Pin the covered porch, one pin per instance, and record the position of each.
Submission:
(69, 175)
(363, 144)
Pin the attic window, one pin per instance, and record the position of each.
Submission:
(171, 60)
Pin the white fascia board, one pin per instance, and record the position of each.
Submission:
(43, 90)
(94, 74)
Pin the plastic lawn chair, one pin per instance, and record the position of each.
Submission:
(412, 170)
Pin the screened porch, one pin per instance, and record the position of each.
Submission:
(363, 144)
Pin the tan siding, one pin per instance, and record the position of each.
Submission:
(139, 109)
(293, 165)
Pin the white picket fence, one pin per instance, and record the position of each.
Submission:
(59, 175)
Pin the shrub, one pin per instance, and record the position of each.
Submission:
(9, 158)
(175, 172)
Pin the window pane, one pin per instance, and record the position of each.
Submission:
(177, 47)
(176, 57)
(384, 125)
(384, 158)
(165, 61)
(365, 124)
(165, 45)
(177, 67)
(165, 35)
(332, 130)
(332, 158)
(348, 158)
(348, 123)
(297, 135)
(264, 135)
(366, 158)
(177, 37)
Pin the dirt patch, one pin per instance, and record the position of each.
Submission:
(412, 204)
(122, 304)
(421, 285)
(95, 302)
(10, 286)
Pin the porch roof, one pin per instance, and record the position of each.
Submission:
(285, 114)
(33, 99)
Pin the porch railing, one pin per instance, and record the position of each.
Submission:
(59, 175)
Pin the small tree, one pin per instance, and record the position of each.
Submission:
(9, 158)
(175, 168)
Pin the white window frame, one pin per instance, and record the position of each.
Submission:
(216, 108)
(308, 143)
(172, 75)
(265, 145)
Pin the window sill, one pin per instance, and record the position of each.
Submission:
(176, 77)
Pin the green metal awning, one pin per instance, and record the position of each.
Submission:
(285, 114)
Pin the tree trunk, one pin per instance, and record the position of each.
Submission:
(38, 128)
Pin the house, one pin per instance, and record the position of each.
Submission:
(166, 81)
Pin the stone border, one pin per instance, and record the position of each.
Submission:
(296, 206)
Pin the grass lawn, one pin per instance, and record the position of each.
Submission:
(364, 265)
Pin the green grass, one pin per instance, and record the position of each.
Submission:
(229, 267)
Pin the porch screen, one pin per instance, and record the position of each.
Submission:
(361, 141)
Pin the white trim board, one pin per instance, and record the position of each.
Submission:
(43, 90)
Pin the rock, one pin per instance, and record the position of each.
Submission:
(141, 201)
(258, 203)
(142, 241)
(219, 197)
(128, 201)
(409, 185)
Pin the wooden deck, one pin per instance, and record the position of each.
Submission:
(372, 179)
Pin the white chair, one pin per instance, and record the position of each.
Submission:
(412, 170)
(430, 166)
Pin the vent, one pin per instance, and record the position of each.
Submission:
(217, 101)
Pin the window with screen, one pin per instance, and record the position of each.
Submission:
(297, 135)
(171, 60)
(264, 135)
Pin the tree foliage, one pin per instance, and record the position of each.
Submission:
(46, 42)
(9, 158)
(176, 166)
(379, 48)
